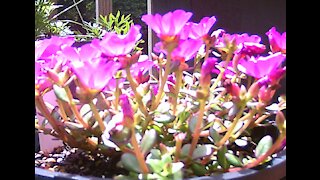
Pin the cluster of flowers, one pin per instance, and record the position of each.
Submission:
(179, 98)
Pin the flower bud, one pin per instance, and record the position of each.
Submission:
(206, 70)
(265, 94)
(127, 110)
(232, 88)
(253, 90)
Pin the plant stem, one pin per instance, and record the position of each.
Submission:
(134, 86)
(197, 129)
(62, 111)
(138, 153)
(233, 125)
(97, 116)
(43, 109)
(177, 90)
(116, 94)
(162, 83)
(260, 159)
(246, 125)
(74, 108)
(215, 84)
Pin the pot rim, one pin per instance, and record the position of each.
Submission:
(276, 170)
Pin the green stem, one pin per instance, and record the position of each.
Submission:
(74, 108)
(138, 152)
(215, 84)
(116, 94)
(233, 125)
(163, 81)
(197, 130)
(177, 90)
(137, 95)
(43, 109)
(97, 116)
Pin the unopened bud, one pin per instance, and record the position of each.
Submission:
(253, 90)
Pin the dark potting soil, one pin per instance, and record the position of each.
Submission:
(76, 161)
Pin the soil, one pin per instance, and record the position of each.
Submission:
(76, 161)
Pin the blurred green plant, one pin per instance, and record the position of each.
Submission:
(45, 24)
(118, 23)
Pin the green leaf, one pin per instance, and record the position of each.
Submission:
(156, 165)
(163, 108)
(60, 93)
(177, 167)
(155, 154)
(185, 150)
(130, 162)
(202, 151)
(198, 169)
(183, 116)
(192, 123)
(263, 146)
(222, 160)
(164, 118)
(233, 160)
(214, 135)
(148, 141)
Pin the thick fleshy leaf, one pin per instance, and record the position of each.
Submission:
(198, 169)
(221, 157)
(155, 154)
(60, 93)
(130, 162)
(148, 141)
(263, 146)
(214, 135)
(233, 160)
(192, 123)
(202, 151)
(185, 150)
(156, 165)
(177, 167)
(164, 118)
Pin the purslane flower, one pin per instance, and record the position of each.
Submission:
(46, 48)
(95, 75)
(197, 31)
(186, 49)
(113, 44)
(261, 66)
(277, 41)
(84, 53)
(169, 24)
(41, 80)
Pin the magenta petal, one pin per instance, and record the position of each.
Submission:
(261, 66)
(169, 24)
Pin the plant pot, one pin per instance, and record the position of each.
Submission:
(276, 170)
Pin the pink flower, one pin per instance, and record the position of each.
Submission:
(186, 49)
(84, 53)
(41, 80)
(261, 66)
(169, 24)
(206, 69)
(196, 31)
(114, 44)
(140, 69)
(46, 48)
(95, 75)
(277, 41)
(126, 109)
(247, 45)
